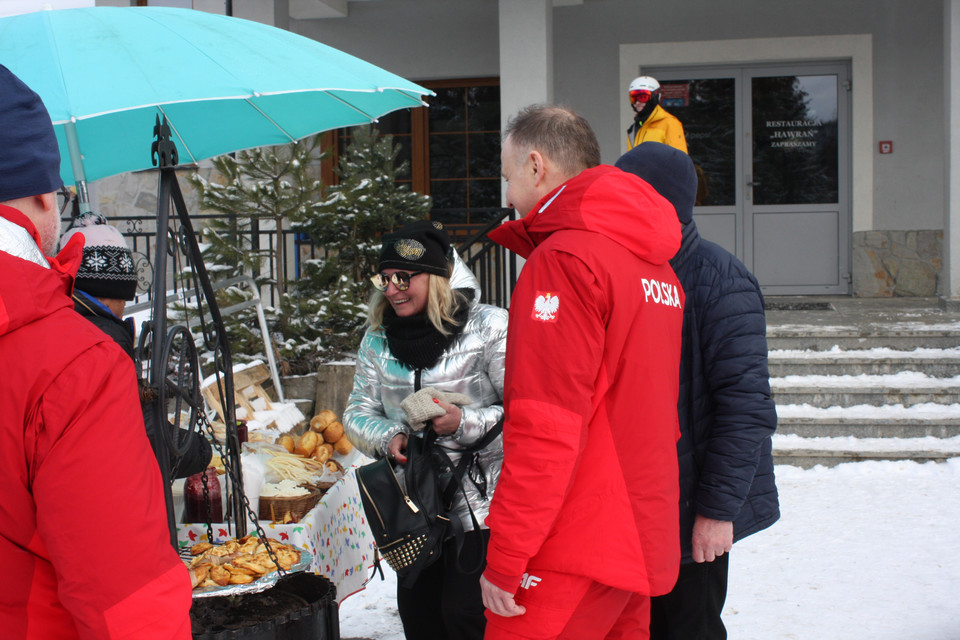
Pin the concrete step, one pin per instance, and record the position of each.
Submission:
(808, 452)
(847, 396)
(869, 427)
(809, 458)
(823, 338)
(933, 362)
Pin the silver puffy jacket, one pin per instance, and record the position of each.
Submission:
(472, 364)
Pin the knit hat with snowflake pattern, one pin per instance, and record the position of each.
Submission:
(107, 270)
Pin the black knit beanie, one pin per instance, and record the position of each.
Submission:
(668, 170)
(419, 246)
(108, 269)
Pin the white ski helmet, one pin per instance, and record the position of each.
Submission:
(644, 83)
(643, 90)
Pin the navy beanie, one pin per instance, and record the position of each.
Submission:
(666, 169)
(29, 155)
(419, 246)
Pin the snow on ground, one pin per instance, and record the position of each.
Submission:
(863, 551)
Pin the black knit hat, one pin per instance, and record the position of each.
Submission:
(108, 270)
(29, 155)
(668, 170)
(419, 246)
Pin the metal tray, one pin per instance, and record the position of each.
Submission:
(261, 584)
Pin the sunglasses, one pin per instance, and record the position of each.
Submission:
(640, 95)
(400, 279)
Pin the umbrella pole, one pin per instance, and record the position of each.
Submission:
(76, 161)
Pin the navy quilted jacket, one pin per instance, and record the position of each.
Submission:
(727, 416)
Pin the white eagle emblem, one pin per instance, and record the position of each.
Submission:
(545, 307)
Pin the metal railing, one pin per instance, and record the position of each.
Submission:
(495, 268)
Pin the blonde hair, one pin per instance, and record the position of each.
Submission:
(442, 300)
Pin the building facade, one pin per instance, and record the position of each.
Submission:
(825, 131)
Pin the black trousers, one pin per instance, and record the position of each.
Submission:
(445, 604)
(692, 610)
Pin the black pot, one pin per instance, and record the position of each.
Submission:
(302, 606)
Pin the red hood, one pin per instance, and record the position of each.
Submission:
(29, 291)
(605, 200)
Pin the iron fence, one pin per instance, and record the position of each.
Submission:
(495, 268)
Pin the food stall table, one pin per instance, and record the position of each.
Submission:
(335, 532)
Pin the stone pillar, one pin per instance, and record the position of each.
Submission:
(526, 61)
(526, 54)
(951, 218)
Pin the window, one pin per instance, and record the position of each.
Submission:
(453, 149)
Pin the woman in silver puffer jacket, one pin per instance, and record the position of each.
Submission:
(420, 290)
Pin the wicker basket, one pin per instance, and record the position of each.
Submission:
(288, 509)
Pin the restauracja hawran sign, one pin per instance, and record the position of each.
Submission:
(793, 133)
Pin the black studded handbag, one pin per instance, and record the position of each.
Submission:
(409, 507)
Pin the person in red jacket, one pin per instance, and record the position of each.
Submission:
(584, 524)
(84, 541)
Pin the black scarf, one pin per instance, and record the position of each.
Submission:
(644, 113)
(414, 340)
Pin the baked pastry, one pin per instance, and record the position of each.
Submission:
(333, 432)
(320, 421)
(287, 442)
(343, 446)
(323, 452)
(308, 442)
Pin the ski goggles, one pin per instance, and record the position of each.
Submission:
(640, 95)
(400, 279)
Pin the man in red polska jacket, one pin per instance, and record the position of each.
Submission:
(584, 522)
(84, 541)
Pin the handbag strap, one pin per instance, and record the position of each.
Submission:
(456, 483)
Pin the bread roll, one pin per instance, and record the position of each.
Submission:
(343, 446)
(323, 452)
(333, 432)
(308, 443)
(320, 421)
(287, 442)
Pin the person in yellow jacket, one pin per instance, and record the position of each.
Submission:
(652, 121)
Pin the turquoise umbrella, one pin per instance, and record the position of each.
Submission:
(222, 83)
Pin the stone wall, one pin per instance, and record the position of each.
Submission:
(897, 263)
(135, 194)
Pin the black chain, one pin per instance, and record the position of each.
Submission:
(248, 510)
(206, 504)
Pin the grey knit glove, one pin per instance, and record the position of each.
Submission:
(420, 407)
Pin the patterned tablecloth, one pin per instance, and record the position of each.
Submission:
(335, 532)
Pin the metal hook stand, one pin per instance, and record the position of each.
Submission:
(174, 364)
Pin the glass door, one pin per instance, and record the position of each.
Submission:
(771, 149)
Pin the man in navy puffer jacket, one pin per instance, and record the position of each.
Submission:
(727, 417)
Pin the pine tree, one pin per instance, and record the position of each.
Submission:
(323, 314)
(268, 186)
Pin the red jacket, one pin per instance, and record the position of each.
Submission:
(84, 542)
(589, 482)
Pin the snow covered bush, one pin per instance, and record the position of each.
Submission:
(320, 316)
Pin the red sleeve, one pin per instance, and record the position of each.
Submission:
(554, 350)
(101, 513)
